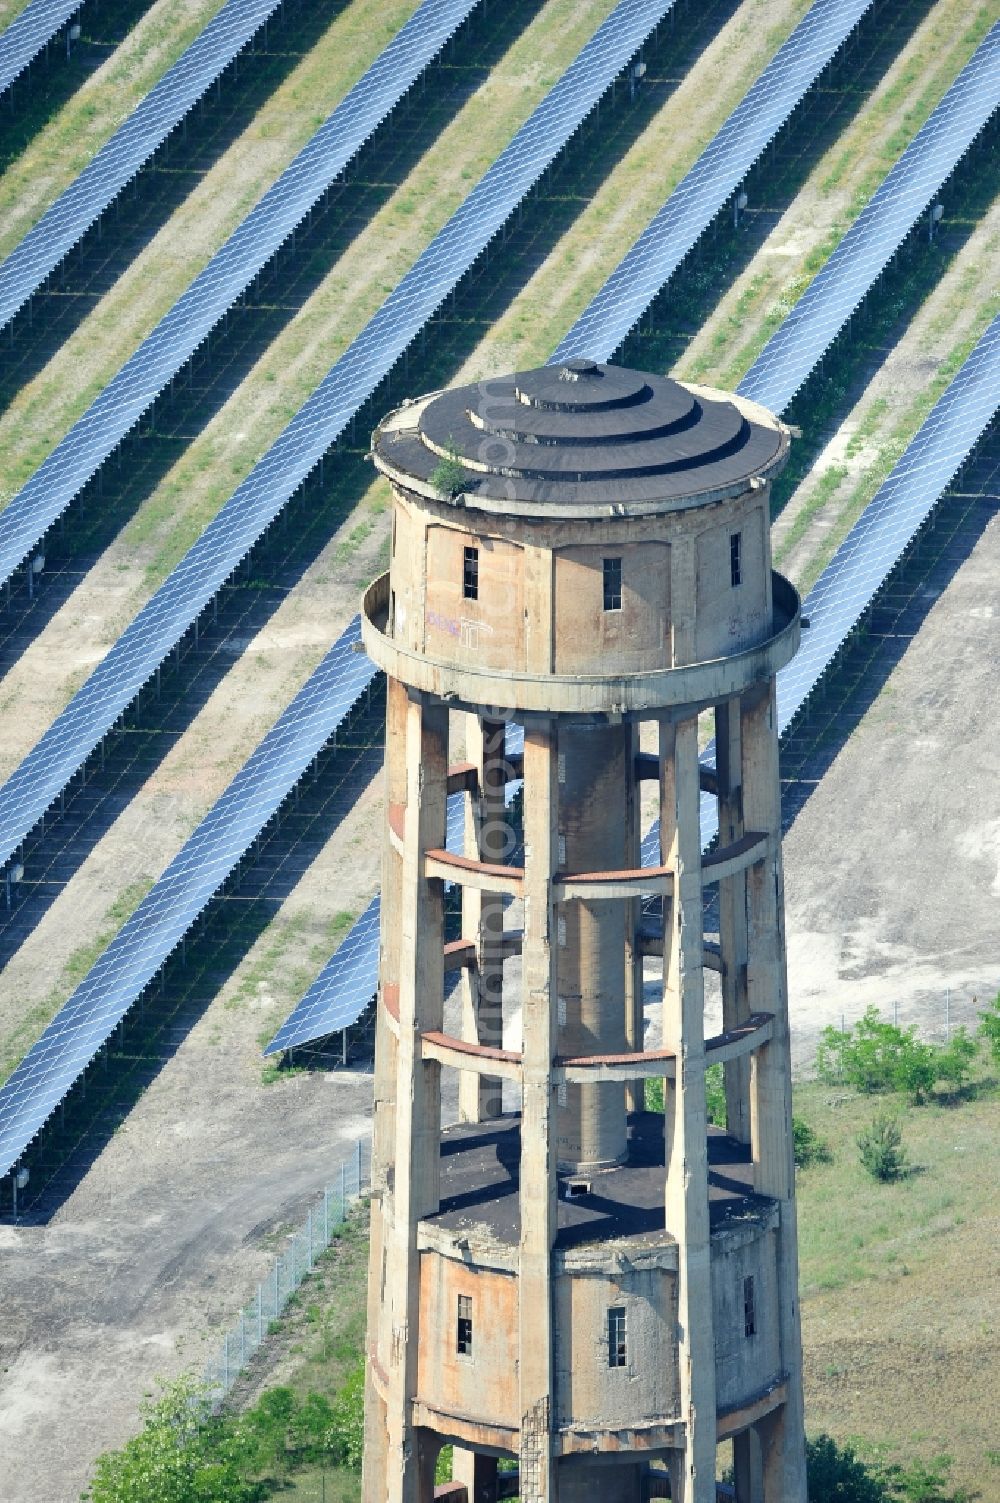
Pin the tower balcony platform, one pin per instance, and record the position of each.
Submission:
(599, 1210)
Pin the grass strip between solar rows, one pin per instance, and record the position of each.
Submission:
(89, 119)
(72, 1037)
(179, 333)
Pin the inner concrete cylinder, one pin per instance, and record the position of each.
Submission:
(593, 768)
(583, 1482)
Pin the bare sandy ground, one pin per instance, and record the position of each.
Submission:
(892, 869)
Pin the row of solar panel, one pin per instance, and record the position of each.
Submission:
(124, 154)
(29, 33)
(207, 565)
(51, 1066)
(346, 983)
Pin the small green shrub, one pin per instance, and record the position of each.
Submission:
(954, 1062)
(715, 1096)
(180, 1454)
(448, 477)
(810, 1148)
(922, 1482)
(989, 1028)
(345, 1438)
(834, 1474)
(881, 1148)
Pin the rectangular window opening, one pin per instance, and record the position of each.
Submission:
(612, 584)
(470, 574)
(463, 1344)
(617, 1339)
(749, 1308)
(577, 1187)
(735, 559)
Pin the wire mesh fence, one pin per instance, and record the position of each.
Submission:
(935, 1015)
(245, 1337)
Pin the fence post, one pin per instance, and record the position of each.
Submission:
(359, 1166)
(225, 1364)
(326, 1216)
(260, 1314)
(243, 1340)
(343, 1191)
(947, 1013)
(277, 1286)
(309, 1234)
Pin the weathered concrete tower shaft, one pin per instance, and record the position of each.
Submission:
(580, 570)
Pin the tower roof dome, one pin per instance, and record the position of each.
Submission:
(576, 438)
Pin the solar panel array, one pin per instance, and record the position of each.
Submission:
(144, 942)
(231, 534)
(81, 1027)
(132, 144)
(342, 990)
(717, 173)
(85, 1023)
(877, 233)
(28, 33)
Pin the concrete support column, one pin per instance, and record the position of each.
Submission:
(486, 834)
(781, 1433)
(418, 1113)
(634, 1012)
(374, 1479)
(747, 1475)
(538, 1156)
(733, 914)
(593, 773)
(685, 1123)
(477, 1474)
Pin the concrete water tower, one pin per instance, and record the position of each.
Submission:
(580, 556)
